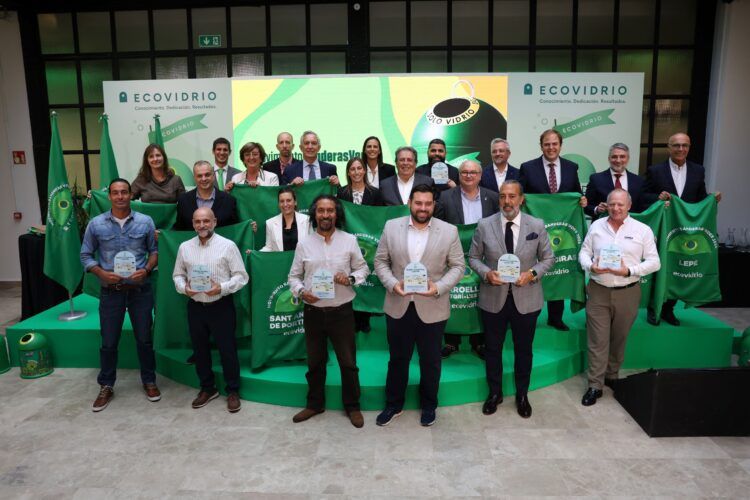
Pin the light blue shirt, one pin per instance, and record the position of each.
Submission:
(306, 169)
(205, 202)
(472, 207)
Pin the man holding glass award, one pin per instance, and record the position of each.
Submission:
(617, 251)
(419, 260)
(209, 269)
(327, 264)
(510, 251)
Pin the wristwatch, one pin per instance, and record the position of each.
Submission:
(533, 272)
(351, 280)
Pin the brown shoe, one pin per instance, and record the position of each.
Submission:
(106, 393)
(204, 397)
(152, 392)
(233, 402)
(356, 418)
(305, 414)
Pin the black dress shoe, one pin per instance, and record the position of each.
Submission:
(651, 318)
(670, 318)
(591, 396)
(479, 351)
(611, 383)
(558, 325)
(523, 406)
(490, 405)
(447, 350)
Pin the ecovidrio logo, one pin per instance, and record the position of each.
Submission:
(176, 96)
(575, 89)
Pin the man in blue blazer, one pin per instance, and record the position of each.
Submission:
(675, 177)
(310, 168)
(395, 190)
(550, 174)
(499, 170)
(602, 183)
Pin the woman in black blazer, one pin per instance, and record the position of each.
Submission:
(358, 189)
(372, 154)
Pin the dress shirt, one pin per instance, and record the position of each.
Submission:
(472, 207)
(264, 178)
(558, 171)
(623, 179)
(224, 262)
(417, 240)
(637, 243)
(516, 227)
(205, 202)
(104, 238)
(404, 188)
(224, 169)
(500, 176)
(679, 176)
(372, 176)
(340, 255)
(306, 169)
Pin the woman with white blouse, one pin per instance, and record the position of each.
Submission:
(252, 156)
(285, 230)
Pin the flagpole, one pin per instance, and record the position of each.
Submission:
(72, 315)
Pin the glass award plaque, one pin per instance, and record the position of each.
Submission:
(440, 173)
(322, 284)
(509, 268)
(415, 278)
(124, 264)
(610, 257)
(200, 278)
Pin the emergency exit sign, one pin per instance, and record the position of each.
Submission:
(209, 41)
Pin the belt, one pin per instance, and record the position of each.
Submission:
(119, 287)
(631, 285)
(330, 309)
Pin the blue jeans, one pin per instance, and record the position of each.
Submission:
(139, 303)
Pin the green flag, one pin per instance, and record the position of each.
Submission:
(278, 318)
(367, 223)
(108, 165)
(465, 316)
(653, 286)
(692, 256)
(62, 245)
(155, 136)
(565, 223)
(261, 203)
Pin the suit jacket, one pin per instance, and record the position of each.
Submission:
(659, 178)
(443, 257)
(230, 172)
(489, 180)
(450, 208)
(275, 167)
(385, 170)
(601, 184)
(224, 208)
(533, 177)
(371, 196)
(533, 250)
(389, 188)
(426, 170)
(274, 234)
(295, 170)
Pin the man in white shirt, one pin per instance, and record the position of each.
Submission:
(209, 269)
(396, 190)
(329, 260)
(223, 171)
(614, 290)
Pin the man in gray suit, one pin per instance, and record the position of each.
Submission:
(395, 190)
(223, 171)
(501, 303)
(417, 318)
(466, 203)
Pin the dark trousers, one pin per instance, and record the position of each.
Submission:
(139, 302)
(523, 327)
(336, 324)
(455, 339)
(555, 310)
(403, 334)
(667, 307)
(217, 320)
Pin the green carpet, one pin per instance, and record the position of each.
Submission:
(702, 341)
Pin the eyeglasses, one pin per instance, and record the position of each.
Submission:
(467, 174)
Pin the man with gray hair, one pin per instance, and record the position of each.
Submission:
(395, 190)
(617, 251)
(206, 195)
(310, 168)
(499, 170)
(616, 176)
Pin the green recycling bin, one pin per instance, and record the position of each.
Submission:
(4, 360)
(34, 356)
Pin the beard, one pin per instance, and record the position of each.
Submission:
(421, 216)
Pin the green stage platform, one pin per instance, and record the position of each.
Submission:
(702, 341)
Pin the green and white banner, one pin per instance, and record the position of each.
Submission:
(465, 315)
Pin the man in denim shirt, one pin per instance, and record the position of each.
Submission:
(119, 247)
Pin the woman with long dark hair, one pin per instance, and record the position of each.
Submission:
(156, 182)
(285, 230)
(358, 189)
(372, 154)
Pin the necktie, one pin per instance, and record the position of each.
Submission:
(509, 236)
(221, 179)
(552, 179)
(312, 176)
(617, 181)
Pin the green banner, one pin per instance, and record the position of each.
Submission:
(692, 256)
(178, 128)
(262, 203)
(277, 318)
(367, 223)
(584, 123)
(564, 220)
(465, 316)
(170, 315)
(654, 285)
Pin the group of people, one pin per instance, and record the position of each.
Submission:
(419, 260)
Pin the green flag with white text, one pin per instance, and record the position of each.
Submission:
(107, 164)
(654, 285)
(465, 316)
(62, 244)
(565, 223)
(692, 256)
